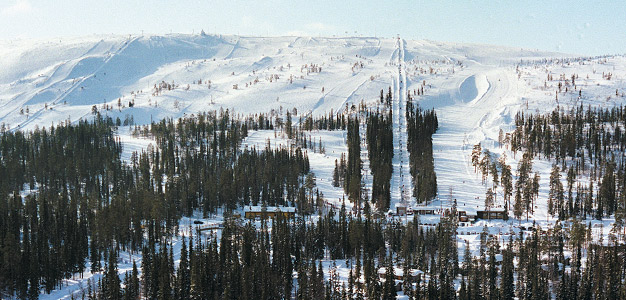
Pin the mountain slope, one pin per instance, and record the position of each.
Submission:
(55, 80)
(475, 89)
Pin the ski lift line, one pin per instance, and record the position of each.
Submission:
(398, 108)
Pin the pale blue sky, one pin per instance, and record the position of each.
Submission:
(581, 27)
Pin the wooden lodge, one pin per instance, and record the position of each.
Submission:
(398, 273)
(463, 217)
(492, 214)
(254, 212)
(424, 210)
(401, 210)
(210, 227)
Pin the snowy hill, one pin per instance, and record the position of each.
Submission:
(475, 89)
(62, 79)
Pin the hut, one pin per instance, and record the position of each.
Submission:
(254, 212)
(491, 214)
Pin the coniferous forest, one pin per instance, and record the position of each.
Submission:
(380, 152)
(71, 205)
(82, 203)
(421, 125)
(586, 145)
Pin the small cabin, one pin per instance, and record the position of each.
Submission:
(463, 217)
(401, 210)
(210, 227)
(424, 210)
(253, 212)
(492, 214)
(399, 273)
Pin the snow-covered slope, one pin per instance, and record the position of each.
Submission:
(55, 80)
(475, 89)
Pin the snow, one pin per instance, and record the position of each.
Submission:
(476, 91)
(401, 186)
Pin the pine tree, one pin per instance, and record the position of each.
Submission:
(507, 289)
(336, 175)
(506, 181)
(183, 277)
(95, 256)
(493, 292)
(352, 183)
(489, 199)
(134, 287)
(389, 287)
(476, 153)
(111, 280)
(555, 196)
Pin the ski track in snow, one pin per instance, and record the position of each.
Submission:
(401, 184)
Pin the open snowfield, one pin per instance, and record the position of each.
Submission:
(476, 90)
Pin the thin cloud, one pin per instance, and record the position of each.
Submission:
(19, 7)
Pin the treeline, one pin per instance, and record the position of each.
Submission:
(587, 145)
(262, 264)
(421, 125)
(352, 177)
(535, 265)
(379, 139)
(379, 136)
(82, 201)
(71, 171)
(251, 262)
(202, 163)
(583, 134)
(526, 187)
(331, 121)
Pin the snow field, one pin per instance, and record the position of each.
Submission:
(476, 90)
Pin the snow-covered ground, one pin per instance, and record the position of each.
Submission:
(401, 186)
(476, 90)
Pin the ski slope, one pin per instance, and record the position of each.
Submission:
(401, 184)
(51, 81)
(476, 90)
